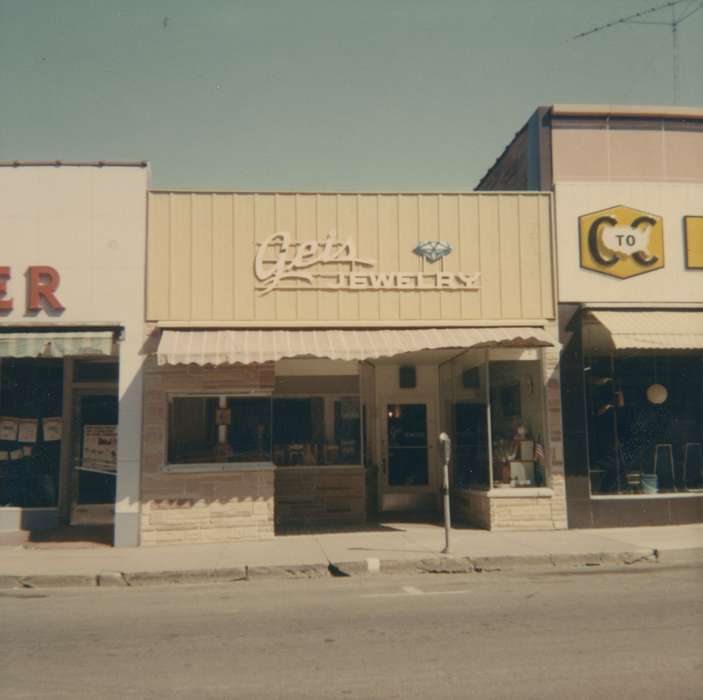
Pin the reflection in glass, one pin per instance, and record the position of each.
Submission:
(29, 471)
(637, 445)
(471, 445)
(407, 445)
(517, 423)
(316, 431)
(200, 432)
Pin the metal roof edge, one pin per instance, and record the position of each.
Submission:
(652, 111)
(361, 193)
(74, 163)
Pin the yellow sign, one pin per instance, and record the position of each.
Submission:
(693, 236)
(621, 242)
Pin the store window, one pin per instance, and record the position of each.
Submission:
(645, 422)
(211, 429)
(31, 430)
(321, 430)
(288, 431)
(517, 423)
(95, 372)
(463, 383)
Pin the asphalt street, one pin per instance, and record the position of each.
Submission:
(618, 632)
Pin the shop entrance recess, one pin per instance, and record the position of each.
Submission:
(94, 456)
(407, 460)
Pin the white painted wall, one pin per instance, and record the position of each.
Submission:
(672, 201)
(90, 224)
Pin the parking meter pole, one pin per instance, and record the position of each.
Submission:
(446, 443)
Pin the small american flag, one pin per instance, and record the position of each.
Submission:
(539, 451)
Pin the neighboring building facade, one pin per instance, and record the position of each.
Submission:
(628, 197)
(72, 272)
(307, 350)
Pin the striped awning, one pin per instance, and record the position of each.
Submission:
(56, 343)
(218, 347)
(641, 330)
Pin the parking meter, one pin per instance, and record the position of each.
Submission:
(446, 443)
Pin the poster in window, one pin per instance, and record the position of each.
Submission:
(100, 447)
(8, 429)
(4, 455)
(52, 429)
(27, 431)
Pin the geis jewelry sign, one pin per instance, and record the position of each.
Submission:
(332, 264)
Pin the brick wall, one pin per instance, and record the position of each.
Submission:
(472, 507)
(523, 513)
(200, 507)
(314, 496)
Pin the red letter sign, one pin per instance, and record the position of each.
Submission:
(5, 304)
(43, 282)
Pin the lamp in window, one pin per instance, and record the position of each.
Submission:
(657, 393)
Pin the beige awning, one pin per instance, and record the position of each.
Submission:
(217, 347)
(640, 330)
(56, 343)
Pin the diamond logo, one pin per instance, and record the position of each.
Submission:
(432, 251)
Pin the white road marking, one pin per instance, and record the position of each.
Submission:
(411, 590)
(373, 565)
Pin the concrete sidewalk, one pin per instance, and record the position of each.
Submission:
(388, 547)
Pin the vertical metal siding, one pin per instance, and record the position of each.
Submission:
(202, 247)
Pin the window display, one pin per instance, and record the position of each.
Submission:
(31, 395)
(200, 432)
(645, 422)
(289, 431)
(316, 431)
(517, 423)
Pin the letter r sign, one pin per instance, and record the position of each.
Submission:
(42, 283)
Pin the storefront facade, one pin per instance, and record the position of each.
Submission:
(306, 350)
(628, 193)
(71, 332)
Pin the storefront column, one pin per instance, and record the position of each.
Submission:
(127, 505)
(554, 436)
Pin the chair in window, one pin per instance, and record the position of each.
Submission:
(662, 474)
(309, 454)
(347, 450)
(692, 456)
(331, 453)
(296, 454)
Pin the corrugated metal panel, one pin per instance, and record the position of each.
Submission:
(56, 344)
(673, 330)
(213, 347)
(202, 248)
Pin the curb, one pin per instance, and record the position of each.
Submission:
(445, 564)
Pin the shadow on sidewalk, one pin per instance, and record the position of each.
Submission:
(62, 537)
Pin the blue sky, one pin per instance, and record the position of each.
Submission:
(317, 94)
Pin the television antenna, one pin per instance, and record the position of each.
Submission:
(678, 15)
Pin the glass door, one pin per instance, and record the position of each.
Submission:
(94, 457)
(407, 458)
